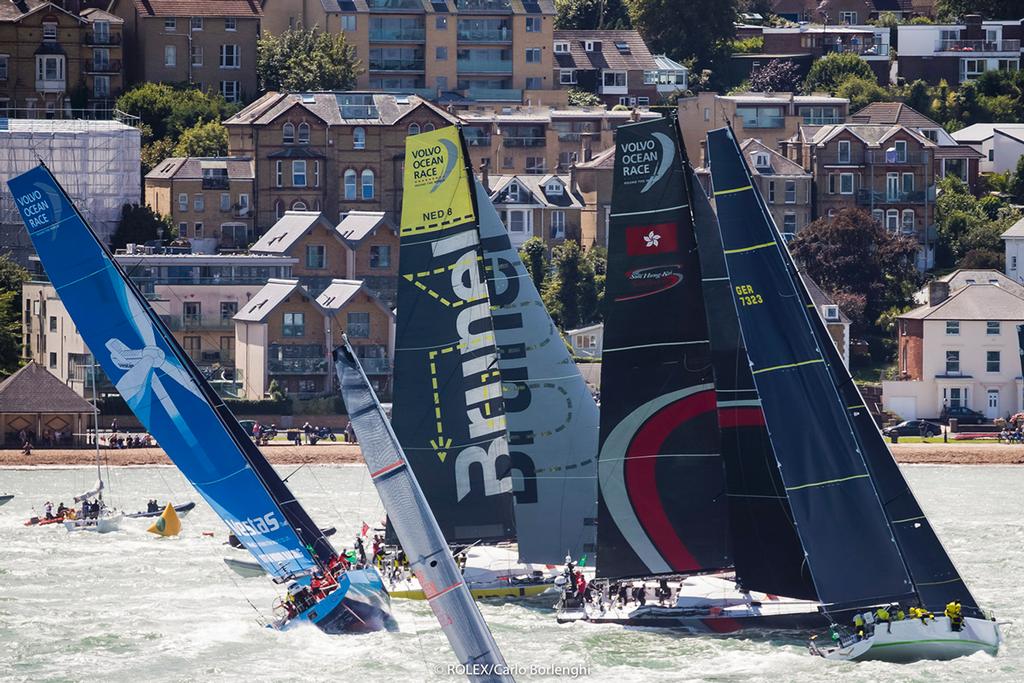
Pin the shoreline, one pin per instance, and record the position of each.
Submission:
(348, 454)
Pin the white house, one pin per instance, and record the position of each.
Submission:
(959, 349)
(588, 341)
(1002, 144)
(1013, 243)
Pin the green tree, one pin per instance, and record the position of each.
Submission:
(1017, 182)
(954, 10)
(534, 254)
(827, 73)
(681, 30)
(207, 139)
(155, 152)
(167, 111)
(139, 224)
(778, 75)
(941, 102)
(919, 98)
(983, 259)
(302, 60)
(578, 97)
(12, 276)
(573, 293)
(590, 14)
(861, 92)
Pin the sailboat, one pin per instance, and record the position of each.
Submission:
(409, 514)
(4, 499)
(688, 510)
(193, 425)
(94, 516)
(866, 540)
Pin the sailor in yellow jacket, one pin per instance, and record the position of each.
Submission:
(955, 613)
(858, 626)
(882, 617)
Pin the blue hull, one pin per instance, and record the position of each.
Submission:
(360, 604)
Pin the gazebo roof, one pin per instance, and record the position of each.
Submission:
(33, 389)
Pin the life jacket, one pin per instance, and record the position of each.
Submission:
(882, 614)
(858, 620)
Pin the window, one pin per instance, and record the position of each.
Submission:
(278, 173)
(358, 138)
(908, 221)
(892, 220)
(225, 201)
(243, 205)
(197, 55)
(901, 151)
(441, 54)
(845, 183)
(589, 45)
(299, 173)
(229, 89)
(3, 67)
(567, 76)
(791, 192)
(533, 55)
(182, 229)
(908, 182)
(294, 325)
(316, 256)
(49, 31)
(567, 159)
(554, 188)
(558, 225)
(614, 79)
(831, 183)
(848, 17)
(170, 25)
(414, 129)
(198, 230)
(230, 24)
(953, 327)
(441, 22)
(303, 133)
(707, 113)
(53, 323)
(350, 184)
(533, 24)
(534, 83)
(441, 82)
(535, 164)
(844, 152)
(971, 68)
(53, 360)
(992, 327)
(761, 160)
(278, 208)
(367, 183)
(506, 162)
(228, 309)
(952, 362)
(561, 47)
(357, 325)
(992, 155)
(197, 23)
(199, 202)
(380, 256)
(316, 174)
(991, 361)
(789, 223)
(831, 313)
(878, 215)
(771, 191)
(516, 221)
(183, 202)
(298, 205)
(892, 187)
(230, 57)
(170, 55)
(513, 193)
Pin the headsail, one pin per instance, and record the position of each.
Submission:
(662, 505)
(552, 417)
(448, 409)
(410, 516)
(163, 387)
(766, 549)
(851, 552)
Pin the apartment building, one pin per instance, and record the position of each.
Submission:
(362, 245)
(592, 180)
(616, 66)
(540, 140)
(209, 199)
(805, 43)
(545, 206)
(196, 295)
(58, 61)
(1000, 145)
(958, 52)
(329, 152)
(887, 170)
(767, 117)
(210, 44)
(959, 349)
(486, 50)
(285, 334)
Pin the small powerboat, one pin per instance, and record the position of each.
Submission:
(182, 510)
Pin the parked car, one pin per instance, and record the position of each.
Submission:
(913, 428)
(963, 415)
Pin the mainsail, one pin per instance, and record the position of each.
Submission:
(448, 409)
(662, 504)
(417, 530)
(766, 549)
(552, 417)
(851, 550)
(163, 387)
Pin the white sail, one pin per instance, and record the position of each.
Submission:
(91, 493)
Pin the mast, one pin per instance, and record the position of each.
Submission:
(661, 506)
(448, 410)
(163, 387)
(417, 530)
(851, 550)
(551, 414)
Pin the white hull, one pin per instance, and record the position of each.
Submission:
(910, 640)
(104, 524)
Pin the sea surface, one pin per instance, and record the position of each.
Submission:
(130, 606)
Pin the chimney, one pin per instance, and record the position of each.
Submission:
(485, 179)
(973, 29)
(572, 176)
(938, 291)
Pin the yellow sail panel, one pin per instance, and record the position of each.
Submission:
(437, 187)
(166, 524)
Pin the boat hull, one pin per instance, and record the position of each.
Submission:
(911, 641)
(6, 499)
(101, 525)
(410, 590)
(360, 604)
(182, 510)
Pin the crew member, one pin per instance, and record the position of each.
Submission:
(882, 617)
(858, 626)
(955, 613)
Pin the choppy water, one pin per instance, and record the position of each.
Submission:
(129, 606)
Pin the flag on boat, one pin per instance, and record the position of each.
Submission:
(166, 524)
(366, 528)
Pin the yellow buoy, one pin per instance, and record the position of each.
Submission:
(166, 524)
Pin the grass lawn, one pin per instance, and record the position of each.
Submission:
(870, 373)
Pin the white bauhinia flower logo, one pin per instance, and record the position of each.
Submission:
(651, 239)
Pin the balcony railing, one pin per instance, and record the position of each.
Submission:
(482, 66)
(479, 141)
(396, 65)
(297, 366)
(977, 46)
(484, 5)
(862, 50)
(215, 182)
(811, 120)
(910, 157)
(577, 136)
(186, 323)
(525, 141)
(93, 38)
(765, 122)
(394, 4)
(399, 35)
(875, 197)
(855, 158)
(486, 35)
(103, 67)
(495, 94)
(50, 85)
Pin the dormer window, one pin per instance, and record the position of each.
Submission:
(588, 45)
(831, 312)
(622, 47)
(554, 188)
(513, 193)
(761, 161)
(50, 31)
(561, 47)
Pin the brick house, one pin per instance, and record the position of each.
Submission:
(544, 206)
(614, 65)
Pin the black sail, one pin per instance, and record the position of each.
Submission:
(851, 550)
(661, 502)
(766, 549)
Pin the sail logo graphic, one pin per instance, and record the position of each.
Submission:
(39, 208)
(646, 161)
(432, 165)
(647, 281)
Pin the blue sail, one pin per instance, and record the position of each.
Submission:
(162, 387)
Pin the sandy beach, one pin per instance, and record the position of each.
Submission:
(965, 453)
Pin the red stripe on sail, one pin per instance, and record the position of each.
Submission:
(730, 418)
(641, 478)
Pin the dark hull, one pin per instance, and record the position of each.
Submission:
(359, 605)
(180, 509)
